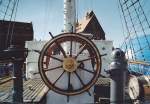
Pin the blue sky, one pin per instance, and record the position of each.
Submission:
(47, 15)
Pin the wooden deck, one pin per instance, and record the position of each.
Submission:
(34, 91)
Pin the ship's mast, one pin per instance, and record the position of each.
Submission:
(70, 23)
(69, 15)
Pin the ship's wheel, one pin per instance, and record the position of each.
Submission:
(68, 72)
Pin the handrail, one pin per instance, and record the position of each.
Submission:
(139, 62)
(5, 81)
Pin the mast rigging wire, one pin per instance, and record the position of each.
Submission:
(123, 30)
(13, 25)
(10, 23)
(1, 2)
(137, 24)
(130, 42)
(6, 9)
(133, 25)
(77, 12)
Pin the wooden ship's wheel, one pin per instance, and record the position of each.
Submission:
(60, 65)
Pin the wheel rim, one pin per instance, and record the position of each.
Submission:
(71, 64)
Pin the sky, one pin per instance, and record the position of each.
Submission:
(47, 16)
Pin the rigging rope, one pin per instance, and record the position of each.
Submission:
(130, 42)
(10, 23)
(77, 12)
(141, 24)
(6, 9)
(136, 24)
(1, 2)
(123, 31)
(13, 25)
(131, 19)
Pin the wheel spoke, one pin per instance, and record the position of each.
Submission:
(52, 68)
(86, 59)
(81, 81)
(44, 63)
(103, 55)
(79, 78)
(38, 51)
(89, 93)
(36, 73)
(93, 64)
(61, 49)
(71, 48)
(54, 57)
(93, 68)
(59, 77)
(81, 50)
(70, 87)
(59, 46)
(68, 80)
(67, 99)
(87, 70)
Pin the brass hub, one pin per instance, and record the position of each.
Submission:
(70, 64)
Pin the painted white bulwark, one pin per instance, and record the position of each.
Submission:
(104, 47)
